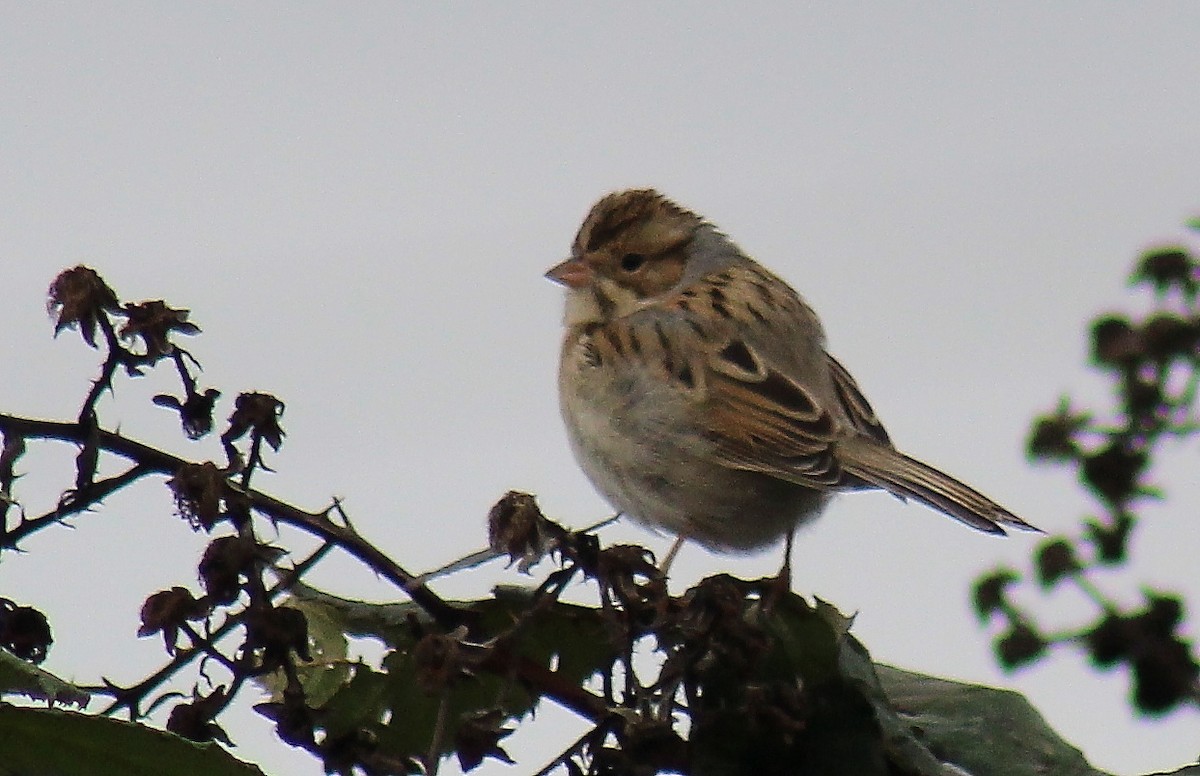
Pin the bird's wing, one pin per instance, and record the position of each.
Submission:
(770, 400)
(763, 420)
(856, 406)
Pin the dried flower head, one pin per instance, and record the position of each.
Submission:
(80, 297)
(152, 322)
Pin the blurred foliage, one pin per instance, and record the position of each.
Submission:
(1153, 363)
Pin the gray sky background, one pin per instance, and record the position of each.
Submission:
(357, 203)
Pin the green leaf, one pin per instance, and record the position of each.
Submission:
(386, 622)
(980, 729)
(67, 743)
(388, 705)
(329, 668)
(20, 677)
(808, 639)
(571, 637)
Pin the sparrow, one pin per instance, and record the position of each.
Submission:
(698, 395)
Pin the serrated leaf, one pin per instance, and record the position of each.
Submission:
(809, 637)
(386, 622)
(18, 677)
(66, 743)
(571, 637)
(390, 704)
(329, 648)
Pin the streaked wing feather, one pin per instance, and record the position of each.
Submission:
(763, 421)
(904, 476)
(858, 409)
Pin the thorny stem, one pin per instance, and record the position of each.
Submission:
(78, 501)
(318, 524)
(148, 460)
(208, 646)
(549, 683)
(132, 696)
(12, 449)
(189, 382)
(254, 460)
(255, 588)
(87, 413)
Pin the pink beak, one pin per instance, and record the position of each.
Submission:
(572, 273)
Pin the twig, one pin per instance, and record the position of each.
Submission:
(87, 413)
(480, 557)
(130, 697)
(155, 460)
(79, 501)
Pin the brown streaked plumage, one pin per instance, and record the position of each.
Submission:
(698, 395)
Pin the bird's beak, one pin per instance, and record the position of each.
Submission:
(572, 273)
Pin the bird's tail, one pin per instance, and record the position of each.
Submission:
(885, 467)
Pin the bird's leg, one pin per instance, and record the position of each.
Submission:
(781, 585)
(785, 571)
(669, 558)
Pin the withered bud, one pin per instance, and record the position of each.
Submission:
(13, 448)
(478, 737)
(24, 631)
(1055, 560)
(152, 322)
(257, 412)
(80, 297)
(629, 572)
(717, 612)
(1054, 436)
(294, 723)
(200, 490)
(195, 413)
(988, 596)
(1165, 677)
(277, 631)
(166, 611)
(518, 529)
(1111, 640)
(194, 720)
(1167, 337)
(1020, 645)
(226, 560)
(1113, 473)
(441, 659)
(1110, 538)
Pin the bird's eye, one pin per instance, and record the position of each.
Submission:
(632, 262)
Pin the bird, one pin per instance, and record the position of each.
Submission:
(699, 398)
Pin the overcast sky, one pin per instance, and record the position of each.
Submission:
(357, 203)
